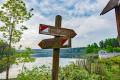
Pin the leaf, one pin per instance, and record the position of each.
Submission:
(2, 7)
(4, 35)
(20, 47)
(23, 27)
(31, 9)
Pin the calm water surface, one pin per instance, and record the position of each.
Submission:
(15, 69)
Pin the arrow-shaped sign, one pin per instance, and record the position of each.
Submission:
(60, 42)
(51, 30)
(111, 4)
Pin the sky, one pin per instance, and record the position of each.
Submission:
(83, 16)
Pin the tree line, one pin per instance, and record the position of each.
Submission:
(109, 45)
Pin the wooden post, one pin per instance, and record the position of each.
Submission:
(90, 67)
(117, 11)
(61, 36)
(56, 52)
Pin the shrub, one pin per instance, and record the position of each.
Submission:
(37, 73)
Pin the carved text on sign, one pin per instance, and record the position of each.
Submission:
(51, 30)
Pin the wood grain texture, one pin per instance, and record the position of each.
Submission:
(117, 11)
(111, 4)
(54, 43)
(62, 39)
(56, 52)
(57, 31)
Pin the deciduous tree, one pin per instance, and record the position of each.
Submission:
(12, 13)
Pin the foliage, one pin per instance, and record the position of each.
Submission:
(116, 49)
(108, 62)
(3, 61)
(101, 43)
(3, 45)
(109, 48)
(92, 48)
(115, 59)
(112, 65)
(15, 57)
(3, 55)
(37, 73)
(24, 57)
(91, 56)
(112, 42)
(75, 72)
(13, 12)
(110, 45)
(81, 70)
(70, 72)
(100, 70)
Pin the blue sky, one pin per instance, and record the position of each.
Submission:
(83, 16)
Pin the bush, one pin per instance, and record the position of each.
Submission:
(74, 71)
(91, 56)
(3, 60)
(37, 73)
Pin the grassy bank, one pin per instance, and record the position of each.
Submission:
(89, 69)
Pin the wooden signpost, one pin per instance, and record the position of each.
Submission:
(62, 40)
(111, 5)
(51, 30)
(59, 42)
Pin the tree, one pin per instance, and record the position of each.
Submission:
(3, 45)
(101, 43)
(109, 48)
(93, 48)
(94, 45)
(116, 49)
(25, 55)
(88, 49)
(111, 41)
(13, 13)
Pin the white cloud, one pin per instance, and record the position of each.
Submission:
(79, 15)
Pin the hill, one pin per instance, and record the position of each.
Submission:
(64, 53)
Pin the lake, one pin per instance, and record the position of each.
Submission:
(15, 69)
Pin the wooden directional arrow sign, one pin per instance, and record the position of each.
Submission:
(51, 30)
(62, 39)
(60, 42)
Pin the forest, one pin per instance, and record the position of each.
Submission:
(110, 45)
(64, 53)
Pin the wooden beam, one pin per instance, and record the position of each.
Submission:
(110, 5)
(117, 11)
